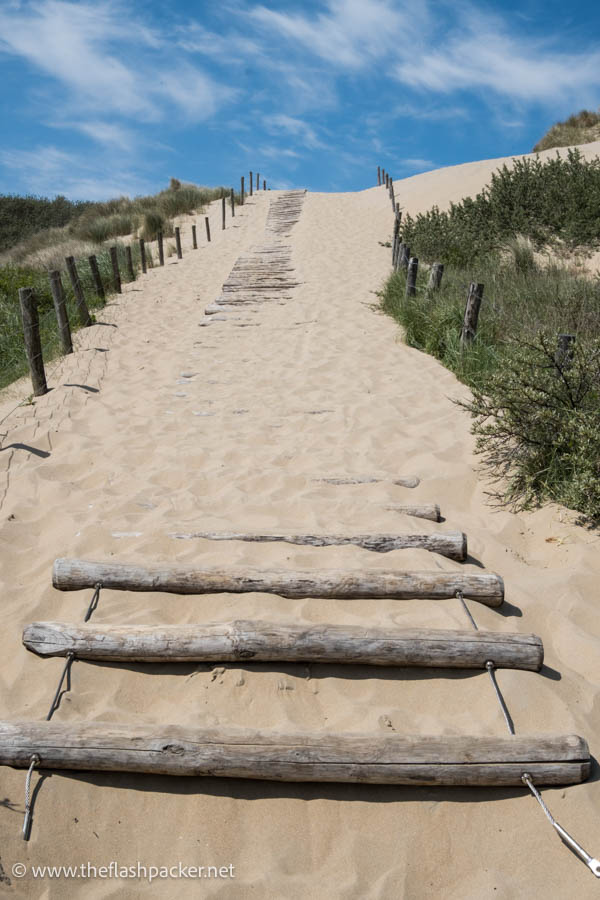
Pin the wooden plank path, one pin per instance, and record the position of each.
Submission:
(266, 273)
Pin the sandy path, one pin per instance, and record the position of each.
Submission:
(225, 427)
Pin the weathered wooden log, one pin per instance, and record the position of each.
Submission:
(97, 278)
(452, 544)
(297, 756)
(469, 329)
(33, 344)
(143, 256)
(161, 248)
(435, 277)
(411, 277)
(82, 310)
(60, 308)
(178, 243)
(252, 641)
(424, 511)
(207, 223)
(114, 258)
(409, 481)
(77, 574)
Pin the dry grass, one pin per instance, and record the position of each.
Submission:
(582, 128)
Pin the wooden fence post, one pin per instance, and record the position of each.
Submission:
(143, 256)
(258, 181)
(161, 249)
(404, 255)
(207, 223)
(194, 238)
(378, 176)
(129, 258)
(396, 240)
(411, 277)
(96, 278)
(383, 176)
(264, 185)
(84, 313)
(60, 307)
(178, 243)
(565, 351)
(469, 329)
(115, 267)
(387, 181)
(242, 191)
(435, 277)
(251, 182)
(232, 203)
(223, 211)
(33, 344)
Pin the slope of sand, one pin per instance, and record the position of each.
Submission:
(159, 424)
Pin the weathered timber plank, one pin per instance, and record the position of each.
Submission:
(256, 641)
(422, 511)
(302, 756)
(452, 544)
(77, 574)
(410, 481)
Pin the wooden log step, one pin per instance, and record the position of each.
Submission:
(302, 756)
(255, 641)
(77, 574)
(409, 481)
(452, 544)
(422, 511)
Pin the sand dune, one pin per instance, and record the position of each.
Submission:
(157, 425)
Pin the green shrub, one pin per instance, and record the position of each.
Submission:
(537, 425)
(546, 201)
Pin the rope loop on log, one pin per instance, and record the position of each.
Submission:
(93, 602)
(583, 855)
(35, 759)
(66, 672)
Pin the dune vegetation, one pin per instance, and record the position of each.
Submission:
(38, 234)
(536, 413)
(581, 128)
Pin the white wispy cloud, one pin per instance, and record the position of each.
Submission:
(300, 130)
(48, 170)
(106, 62)
(480, 52)
(348, 33)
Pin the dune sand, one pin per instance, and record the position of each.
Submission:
(160, 423)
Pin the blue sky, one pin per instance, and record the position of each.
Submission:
(104, 98)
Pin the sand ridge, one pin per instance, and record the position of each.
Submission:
(231, 427)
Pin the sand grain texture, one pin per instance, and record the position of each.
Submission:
(157, 425)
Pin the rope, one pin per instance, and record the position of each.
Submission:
(27, 821)
(590, 862)
(583, 855)
(491, 670)
(66, 671)
(93, 602)
(507, 717)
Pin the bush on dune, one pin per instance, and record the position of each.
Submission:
(537, 422)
